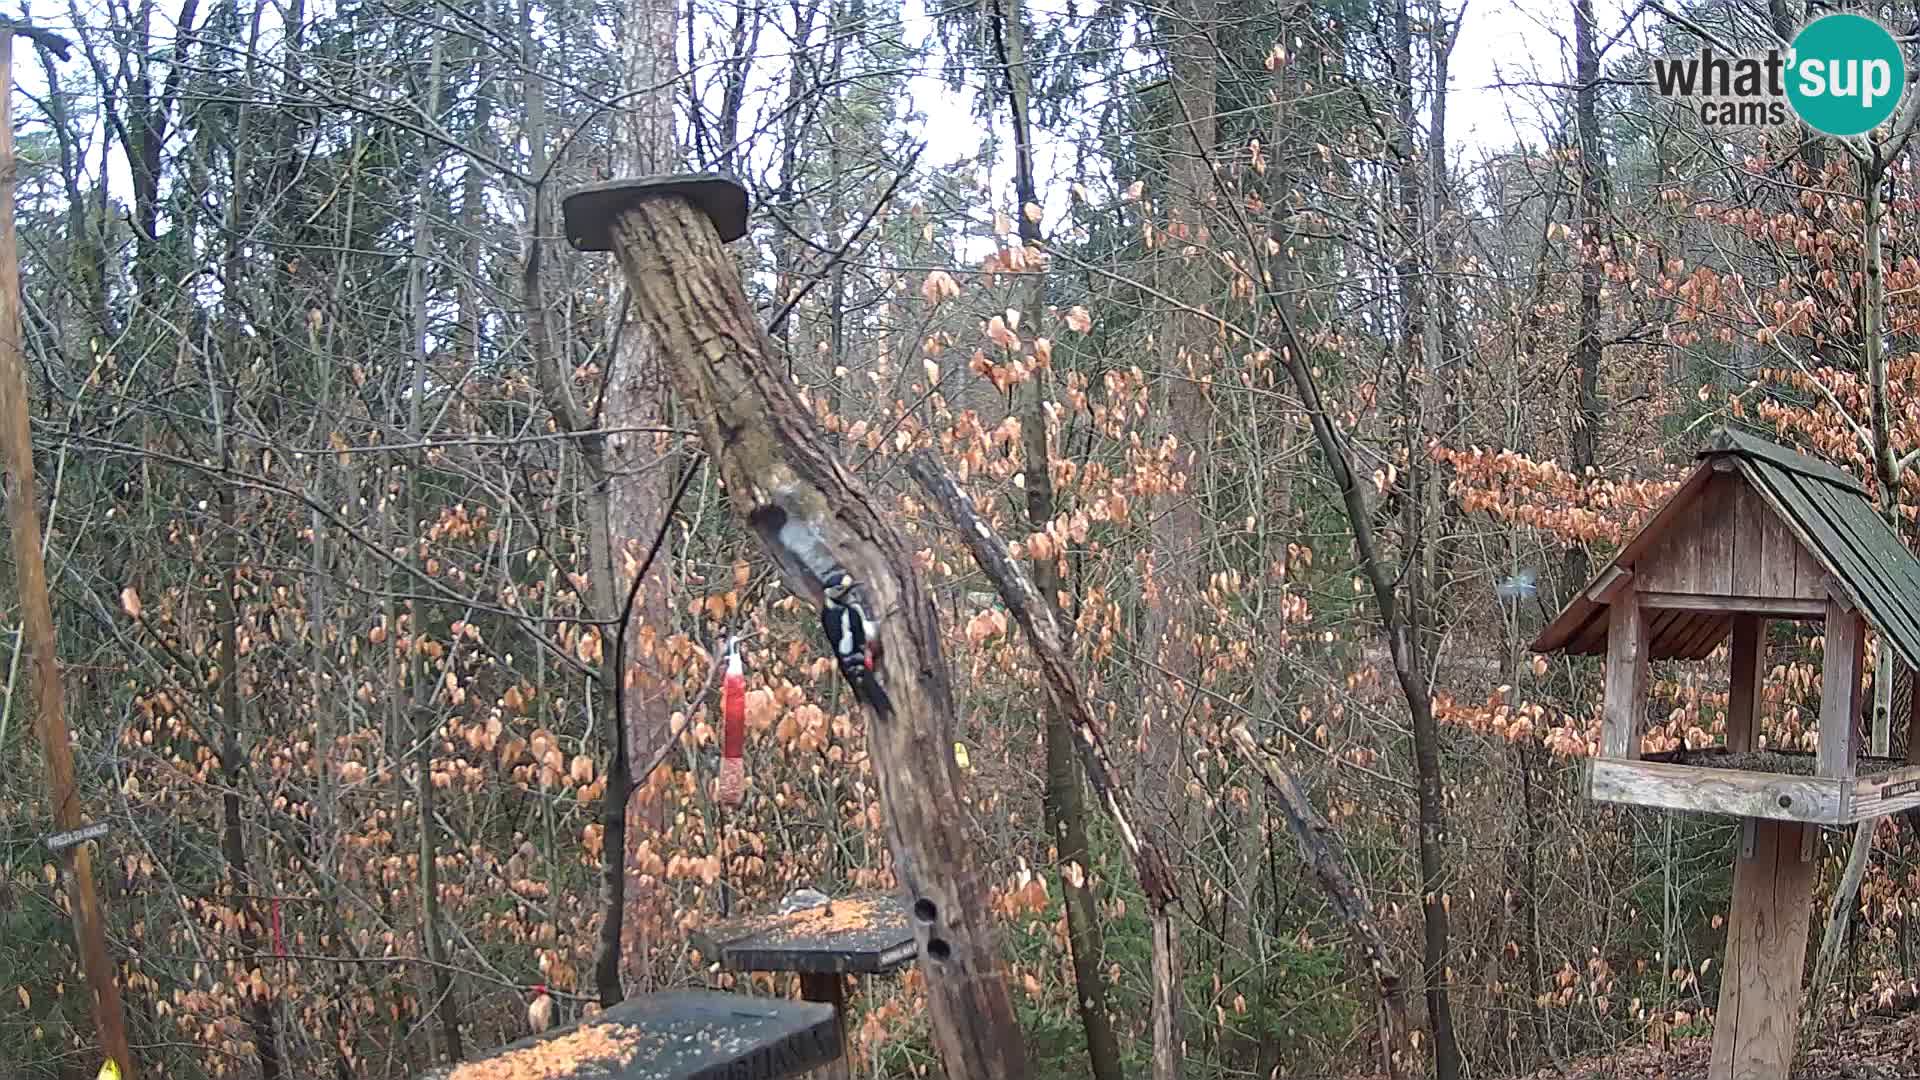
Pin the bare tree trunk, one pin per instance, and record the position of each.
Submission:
(1065, 812)
(36, 607)
(233, 751)
(556, 390)
(633, 482)
(421, 700)
(1409, 666)
(1180, 534)
(1873, 303)
(1592, 213)
(1418, 636)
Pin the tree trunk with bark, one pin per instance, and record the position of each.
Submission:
(1416, 638)
(234, 755)
(632, 478)
(1181, 531)
(817, 520)
(1584, 437)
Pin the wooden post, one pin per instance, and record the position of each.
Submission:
(1753, 1031)
(17, 490)
(1846, 636)
(1626, 685)
(1913, 717)
(818, 521)
(1880, 742)
(830, 988)
(1749, 672)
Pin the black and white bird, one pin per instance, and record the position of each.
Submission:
(854, 638)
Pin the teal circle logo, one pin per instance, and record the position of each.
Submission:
(1846, 74)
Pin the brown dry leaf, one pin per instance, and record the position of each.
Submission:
(998, 333)
(130, 602)
(1078, 319)
(939, 287)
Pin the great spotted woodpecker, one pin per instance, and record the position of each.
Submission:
(854, 638)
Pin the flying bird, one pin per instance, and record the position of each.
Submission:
(1517, 587)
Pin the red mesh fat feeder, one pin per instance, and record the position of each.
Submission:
(733, 713)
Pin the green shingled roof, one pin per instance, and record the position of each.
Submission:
(1830, 513)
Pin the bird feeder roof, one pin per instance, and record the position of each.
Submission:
(1723, 527)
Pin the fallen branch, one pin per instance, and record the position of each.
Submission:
(1035, 616)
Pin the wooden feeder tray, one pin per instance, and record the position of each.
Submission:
(1771, 784)
(866, 934)
(672, 1035)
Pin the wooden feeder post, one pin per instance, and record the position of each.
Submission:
(815, 518)
(1757, 532)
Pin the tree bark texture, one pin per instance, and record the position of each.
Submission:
(808, 510)
(632, 477)
(1583, 438)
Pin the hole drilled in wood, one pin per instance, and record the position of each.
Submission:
(925, 910)
(939, 949)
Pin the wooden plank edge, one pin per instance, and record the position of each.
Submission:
(1882, 795)
(1730, 792)
(1718, 604)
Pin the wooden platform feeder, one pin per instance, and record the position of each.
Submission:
(1756, 532)
(670, 1035)
(855, 935)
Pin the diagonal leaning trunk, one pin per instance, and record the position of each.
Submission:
(814, 517)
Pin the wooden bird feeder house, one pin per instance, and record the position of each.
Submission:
(1755, 533)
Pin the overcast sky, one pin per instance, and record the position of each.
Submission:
(1507, 50)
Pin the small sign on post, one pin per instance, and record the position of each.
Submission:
(59, 842)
